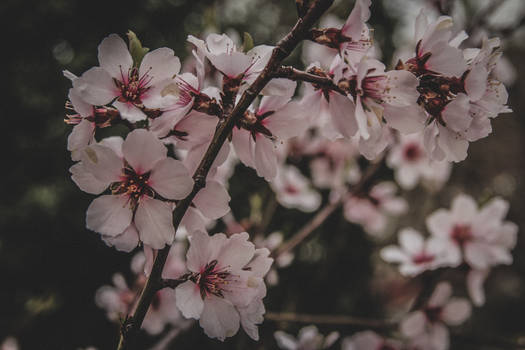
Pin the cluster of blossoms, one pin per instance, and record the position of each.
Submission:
(419, 116)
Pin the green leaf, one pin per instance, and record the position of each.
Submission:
(136, 49)
(247, 44)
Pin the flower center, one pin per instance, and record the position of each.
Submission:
(212, 280)
(422, 258)
(132, 86)
(291, 189)
(461, 234)
(133, 185)
(412, 152)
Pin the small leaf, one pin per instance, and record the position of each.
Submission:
(247, 44)
(136, 49)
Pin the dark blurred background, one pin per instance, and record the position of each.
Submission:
(51, 265)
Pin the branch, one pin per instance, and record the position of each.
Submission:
(130, 328)
(329, 319)
(294, 74)
(324, 213)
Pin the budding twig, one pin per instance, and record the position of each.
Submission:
(130, 329)
(292, 73)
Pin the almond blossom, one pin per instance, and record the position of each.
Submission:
(293, 190)
(137, 171)
(373, 209)
(427, 328)
(308, 338)
(129, 88)
(479, 237)
(276, 119)
(226, 286)
(457, 92)
(369, 340)
(415, 255)
(411, 163)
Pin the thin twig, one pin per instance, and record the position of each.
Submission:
(295, 74)
(130, 328)
(324, 213)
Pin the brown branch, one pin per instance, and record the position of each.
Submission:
(292, 73)
(329, 319)
(130, 328)
(324, 213)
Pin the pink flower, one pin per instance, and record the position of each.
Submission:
(138, 173)
(479, 237)
(372, 210)
(369, 340)
(308, 338)
(426, 328)
(226, 285)
(293, 190)
(276, 119)
(409, 159)
(130, 88)
(416, 255)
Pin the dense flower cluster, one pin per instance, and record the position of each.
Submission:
(418, 117)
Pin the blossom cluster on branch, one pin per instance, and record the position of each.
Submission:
(418, 117)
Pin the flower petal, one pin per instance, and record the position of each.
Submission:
(188, 300)
(96, 87)
(171, 179)
(154, 223)
(159, 64)
(109, 215)
(114, 57)
(142, 150)
(219, 319)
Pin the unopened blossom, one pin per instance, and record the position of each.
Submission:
(258, 133)
(138, 172)
(308, 338)
(415, 254)
(226, 286)
(129, 88)
(411, 164)
(369, 340)
(293, 190)
(478, 236)
(427, 328)
(372, 210)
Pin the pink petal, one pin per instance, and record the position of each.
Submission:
(265, 158)
(170, 179)
(188, 300)
(109, 215)
(153, 219)
(356, 20)
(129, 111)
(414, 324)
(213, 200)
(114, 57)
(126, 241)
(203, 249)
(101, 161)
(342, 112)
(159, 64)
(244, 146)
(85, 180)
(411, 241)
(476, 82)
(446, 60)
(79, 138)
(142, 150)
(81, 107)
(219, 319)
(96, 87)
(236, 252)
(441, 295)
(456, 113)
(475, 280)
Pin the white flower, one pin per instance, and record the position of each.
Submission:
(137, 171)
(226, 286)
(293, 190)
(130, 88)
(416, 255)
(479, 237)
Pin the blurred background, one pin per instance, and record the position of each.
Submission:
(51, 265)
